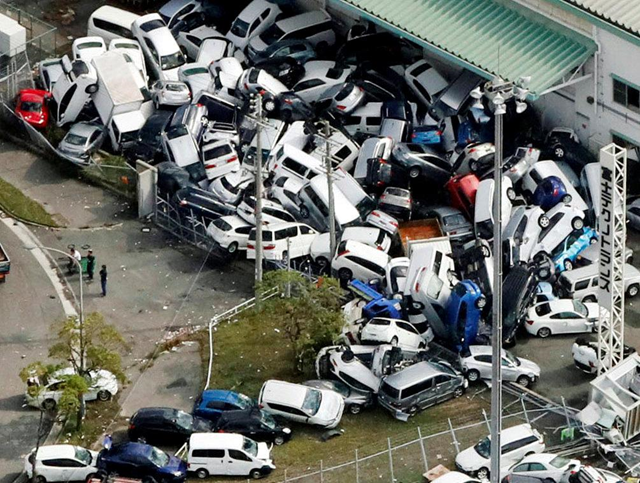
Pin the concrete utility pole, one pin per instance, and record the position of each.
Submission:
(326, 131)
(257, 106)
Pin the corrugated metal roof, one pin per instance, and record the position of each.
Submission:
(474, 31)
(623, 13)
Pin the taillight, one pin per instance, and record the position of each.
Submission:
(261, 406)
(132, 427)
(394, 223)
(232, 159)
(209, 166)
(383, 197)
(199, 105)
(262, 92)
(530, 322)
(343, 253)
(250, 246)
(555, 192)
(379, 183)
(379, 247)
(472, 150)
(246, 86)
(439, 133)
(341, 108)
(414, 135)
(183, 203)
(373, 213)
(591, 364)
(288, 101)
(269, 247)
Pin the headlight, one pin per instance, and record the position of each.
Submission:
(286, 430)
(177, 473)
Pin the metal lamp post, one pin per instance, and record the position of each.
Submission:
(498, 92)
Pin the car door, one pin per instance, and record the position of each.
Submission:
(407, 335)
(443, 387)
(509, 371)
(560, 323)
(75, 470)
(483, 365)
(238, 463)
(539, 471)
(427, 393)
(242, 235)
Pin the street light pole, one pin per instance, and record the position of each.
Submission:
(332, 208)
(258, 209)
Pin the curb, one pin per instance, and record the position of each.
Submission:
(22, 220)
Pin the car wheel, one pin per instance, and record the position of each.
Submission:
(481, 302)
(104, 395)
(568, 264)
(482, 474)
(256, 474)
(322, 262)
(473, 375)
(422, 345)
(511, 194)
(394, 342)
(141, 439)
(594, 239)
(355, 409)
(486, 253)
(544, 332)
(524, 381)
(41, 479)
(413, 410)
(49, 404)
(304, 212)
(414, 172)
(202, 473)
(558, 151)
(566, 199)
(458, 392)
(543, 221)
(473, 166)
(577, 223)
(269, 105)
(590, 299)
(544, 273)
(233, 247)
(91, 476)
(345, 274)
(633, 290)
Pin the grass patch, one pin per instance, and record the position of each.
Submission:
(17, 204)
(249, 351)
(98, 417)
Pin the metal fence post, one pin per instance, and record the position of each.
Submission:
(453, 435)
(524, 410)
(390, 460)
(486, 420)
(285, 475)
(357, 469)
(424, 453)
(566, 413)
(321, 471)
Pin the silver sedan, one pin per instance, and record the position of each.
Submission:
(82, 140)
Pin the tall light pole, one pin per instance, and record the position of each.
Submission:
(326, 131)
(256, 101)
(498, 92)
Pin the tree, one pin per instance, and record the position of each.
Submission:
(311, 318)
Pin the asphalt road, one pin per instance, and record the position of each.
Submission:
(28, 306)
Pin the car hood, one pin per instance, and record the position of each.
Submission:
(529, 366)
(330, 407)
(264, 453)
(470, 460)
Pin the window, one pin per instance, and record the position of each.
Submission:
(315, 199)
(484, 358)
(626, 95)
(208, 453)
(441, 379)
(343, 152)
(437, 264)
(417, 388)
(243, 230)
(353, 382)
(420, 88)
(407, 326)
(238, 455)
(536, 467)
(294, 166)
(215, 405)
(373, 121)
(281, 234)
(194, 40)
(66, 99)
(287, 409)
(152, 25)
(305, 230)
(581, 285)
(62, 463)
(308, 84)
(313, 30)
(113, 28)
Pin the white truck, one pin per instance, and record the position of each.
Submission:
(122, 104)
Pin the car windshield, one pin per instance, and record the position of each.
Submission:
(28, 106)
(158, 457)
(173, 61)
(152, 25)
(268, 420)
(184, 420)
(244, 402)
(511, 358)
(175, 87)
(312, 401)
(483, 448)
(83, 455)
(559, 461)
(454, 220)
(580, 308)
(250, 446)
(396, 192)
(196, 70)
(221, 224)
(272, 34)
(240, 28)
(89, 45)
(75, 139)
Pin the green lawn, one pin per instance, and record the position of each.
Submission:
(250, 351)
(15, 203)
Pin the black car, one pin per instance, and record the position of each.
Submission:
(138, 460)
(288, 107)
(561, 146)
(172, 178)
(201, 205)
(148, 146)
(379, 83)
(518, 291)
(255, 424)
(165, 426)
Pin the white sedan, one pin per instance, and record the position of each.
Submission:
(562, 316)
(392, 331)
(196, 76)
(72, 463)
(545, 466)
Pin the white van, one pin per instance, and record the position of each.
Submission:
(111, 23)
(296, 135)
(159, 46)
(271, 132)
(274, 241)
(365, 120)
(314, 205)
(209, 454)
(295, 163)
(375, 147)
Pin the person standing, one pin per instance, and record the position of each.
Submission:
(78, 256)
(103, 280)
(91, 264)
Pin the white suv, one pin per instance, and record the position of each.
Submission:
(302, 404)
(159, 46)
(274, 241)
(230, 232)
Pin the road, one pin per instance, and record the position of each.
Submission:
(28, 304)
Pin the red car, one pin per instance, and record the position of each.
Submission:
(462, 193)
(31, 105)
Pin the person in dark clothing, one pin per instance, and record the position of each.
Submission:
(103, 280)
(91, 264)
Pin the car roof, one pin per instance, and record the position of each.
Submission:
(409, 375)
(155, 412)
(216, 441)
(163, 41)
(280, 226)
(514, 433)
(539, 457)
(172, 6)
(56, 451)
(129, 448)
(372, 254)
(302, 19)
(284, 392)
(559, 305)
(476, 350)
(219, 395)
(84, 128)
(255, 8)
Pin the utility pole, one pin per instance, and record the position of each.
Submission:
(332, 208)
(257, 106)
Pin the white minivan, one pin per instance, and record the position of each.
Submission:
(159, 46)
(281, 241)
(209, 454)
(111, 23)
(294, 163)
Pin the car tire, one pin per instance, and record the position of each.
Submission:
(577, 223)
(558, 151)
(322, 262)
(482, 474)
(232, 248)
(256, 474)
(544, 332)
(594, 239)
(473, 375)
(422, 345)
(345, 274)
(141, 439)
(269, 105)
(566, 199)
(413, 410)
(278, 440)
(481, 302)
(589, 299)
(633, 290)
(304, 212)
(524, 381)
(485, 251)
(104, 395)
(414, 172)
(394, 342)
(355, 409)
(202, 473)
(473, 166)
(568, 264)
(544, 221)
(49, 404)
(458, 392)
(511, 194)
(40, 479)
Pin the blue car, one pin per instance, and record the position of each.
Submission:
(138, 460)
(212, 402)
(544, 293)
(377, 304)
(428, 135)
(550, 192)
(564, 256)
(462, 314)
